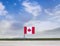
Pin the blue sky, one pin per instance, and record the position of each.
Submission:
(15, 14)
(11, 7)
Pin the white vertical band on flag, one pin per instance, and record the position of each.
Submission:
(29, 32)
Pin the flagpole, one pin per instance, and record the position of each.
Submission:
(24, 35)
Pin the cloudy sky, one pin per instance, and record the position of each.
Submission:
(15, 14)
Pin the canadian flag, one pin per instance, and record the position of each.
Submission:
(29, 30)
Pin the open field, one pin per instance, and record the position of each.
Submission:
(22, 39)
(29, 43)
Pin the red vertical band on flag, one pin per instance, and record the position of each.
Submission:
(25, 30)
(33, 30)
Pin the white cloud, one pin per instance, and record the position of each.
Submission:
(33, 8)
(7, 32)
(55, 14)
(51, 23)
(8, 36)
(47, 12)
(57, 10)
(4, 26)
(6, 23)
(42, 25)
(2, 9)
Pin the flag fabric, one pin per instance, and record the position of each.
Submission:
(29, 30)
